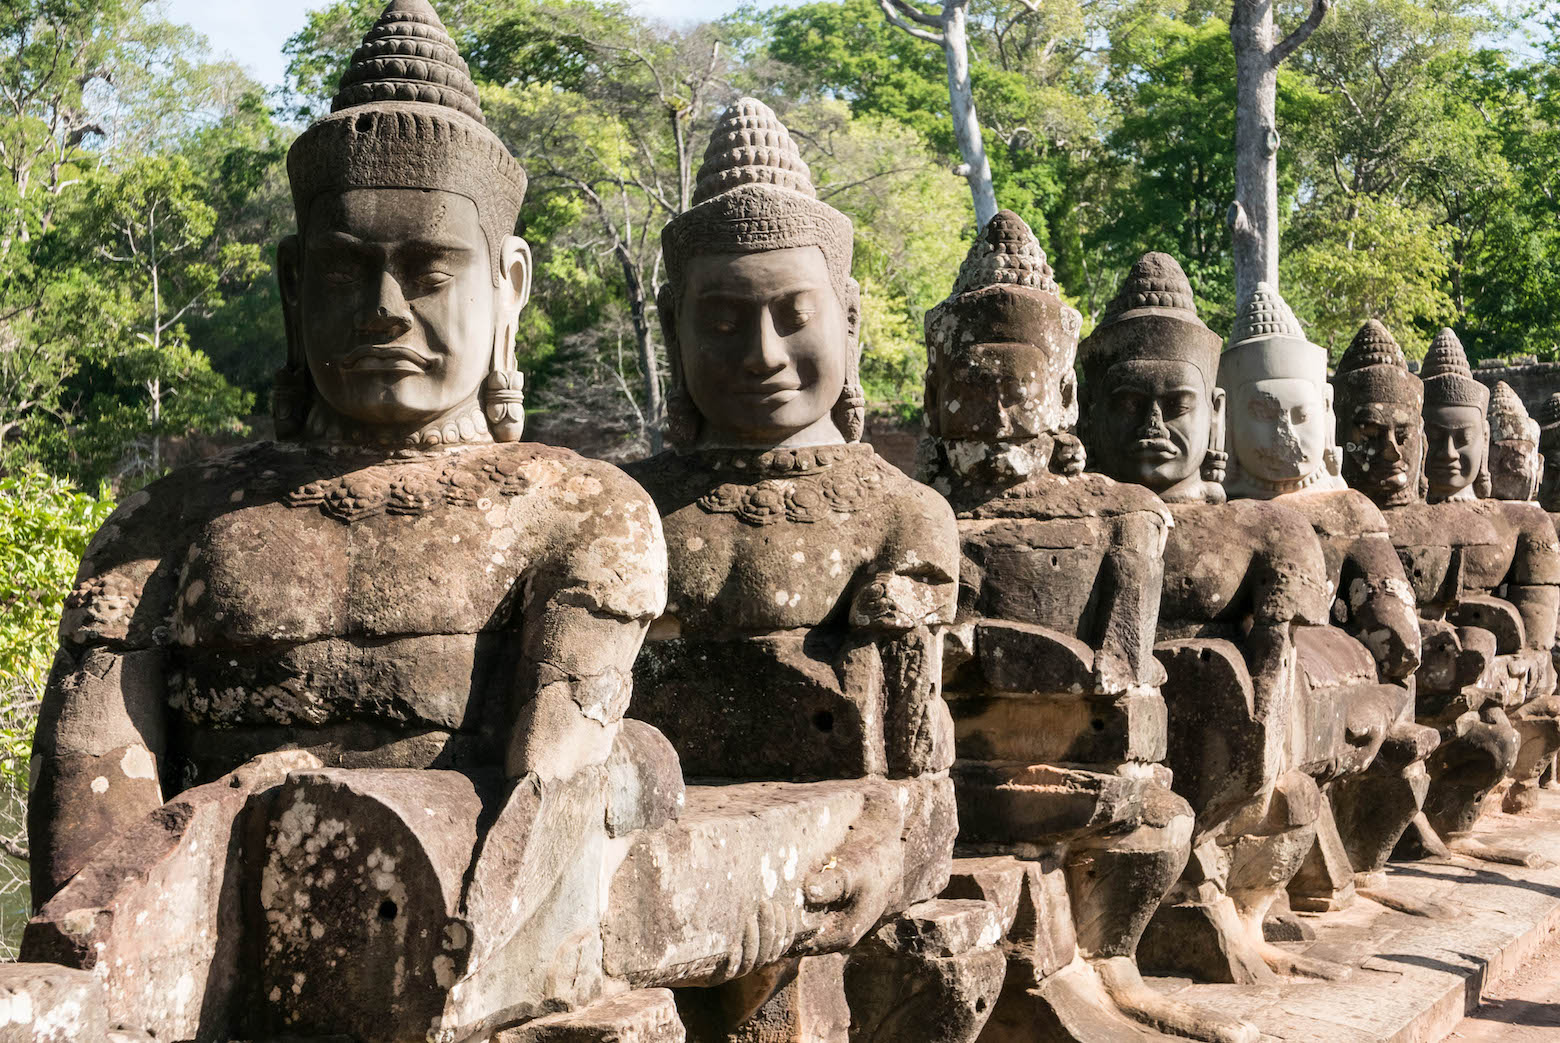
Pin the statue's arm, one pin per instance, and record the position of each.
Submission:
(1289, 586)
(1533, 585)
(1381, 610)
(1134, 576)
(585, 609)
(904, 604)
(97, 751)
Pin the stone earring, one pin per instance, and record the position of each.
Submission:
(502, 395)
(1215, 463)
(682, 417)
(850, 412)
(290, 398)
(503, 404)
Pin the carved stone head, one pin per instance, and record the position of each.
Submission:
(1000, 348)
(1457, 432)
(1549, 447)
(1152, 411)
(1379, 425)
(759, 311)
(1515, 466)
(404, 283)
(1280, 431)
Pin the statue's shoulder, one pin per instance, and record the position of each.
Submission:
(1456, 524)
(1343, 513)
(1079, 496)
(1272, 527)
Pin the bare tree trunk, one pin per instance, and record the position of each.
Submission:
(646, 347)
(966, 127)
(1254, 214)
(948, 31)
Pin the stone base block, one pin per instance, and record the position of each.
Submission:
(47, 1003)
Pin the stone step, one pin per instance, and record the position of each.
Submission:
(1414, 978)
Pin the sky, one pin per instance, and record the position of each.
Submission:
(253, 31)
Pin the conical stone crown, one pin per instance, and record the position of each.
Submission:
(1551, 411)
(1156, 281)
(1006, 253)
(1446, 357)
(1265, 315)
(1373, 345)
(1508, 417)
(750, 146)
(408, 56)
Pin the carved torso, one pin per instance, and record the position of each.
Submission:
(375, 604)
(1225, 562)
(1443, 547)
(782, 565)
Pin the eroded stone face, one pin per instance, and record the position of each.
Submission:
(1456, 440)
(1383, 445)
(1279, 428)
(1515, 469)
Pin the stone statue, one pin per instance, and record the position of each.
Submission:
(1059, 723)
(1460, 687)
(809, 583)
(259, 647)
(1549, 449)
(1239, 578)
(1516, 471)
(1360, 740)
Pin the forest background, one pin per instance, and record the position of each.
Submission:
(142, 190)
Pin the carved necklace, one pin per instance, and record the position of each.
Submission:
(464, 425)
(803, 485)
(413, 483)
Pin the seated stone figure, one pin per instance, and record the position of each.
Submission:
(1239, 579)
(1356, 726)
(1460, 687)
(1051, 679)
(809, 582)
(1516, 471)
(397, 584)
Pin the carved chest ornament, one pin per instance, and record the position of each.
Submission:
(797, 485)
(416, 486)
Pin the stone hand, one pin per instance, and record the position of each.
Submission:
(850, 892)
(1390, 629)
(1067, 454)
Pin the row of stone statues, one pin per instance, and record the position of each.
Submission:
(399, 728)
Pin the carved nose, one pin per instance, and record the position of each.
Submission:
(391, 312)
(766, 354)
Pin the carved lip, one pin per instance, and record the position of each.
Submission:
(768, 394)
(1155, 449)
(388, 358)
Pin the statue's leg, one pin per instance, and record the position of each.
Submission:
(933, 972)
(1477, 751)
(1115, 884)
(1264, 858)
(1538, 727)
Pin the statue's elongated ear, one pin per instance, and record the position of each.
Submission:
(503, 391)
(291, 390)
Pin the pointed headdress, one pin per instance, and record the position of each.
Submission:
(1509, 419)
(1005, 294)
(1374, 369)
(1447, 376)
(755, 193)
(406, 115)
(1153, 316)
(1268, 344)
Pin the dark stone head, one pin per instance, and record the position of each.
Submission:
(1457, 432)
(1379, 426)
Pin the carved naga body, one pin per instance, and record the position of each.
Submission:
(1051, 679)
(1461, 684)
(1355, 728)
(801, 640)
(1239, 579)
